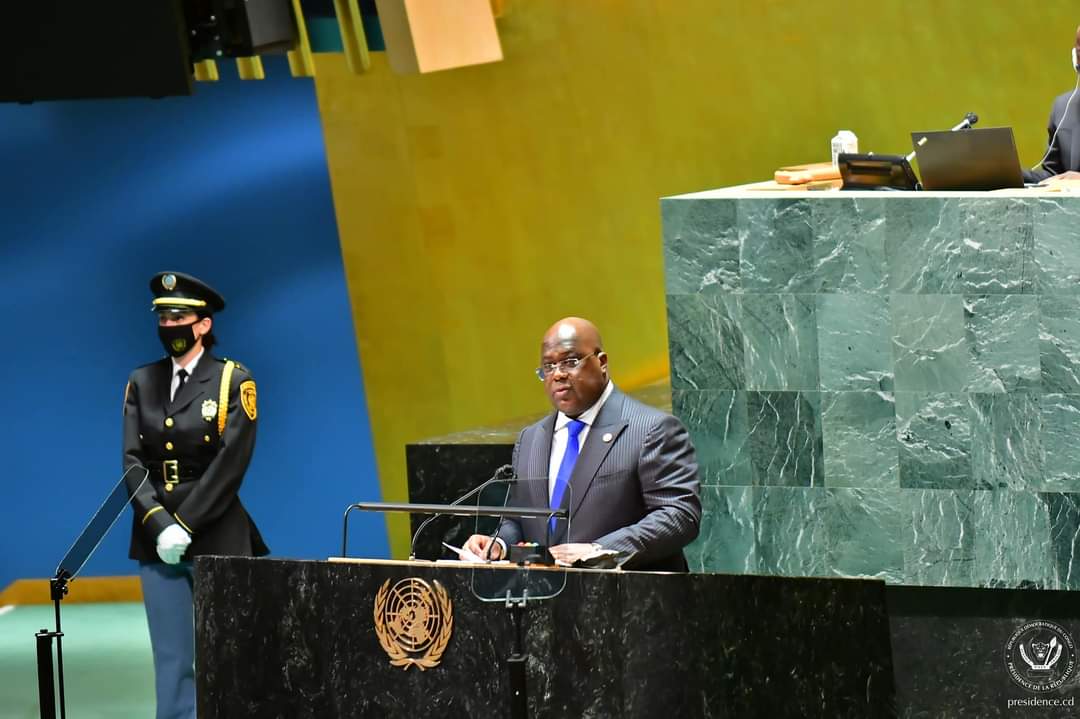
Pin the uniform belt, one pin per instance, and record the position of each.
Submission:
(175, 471)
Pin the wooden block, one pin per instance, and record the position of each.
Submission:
(430, 35)
(801, 174)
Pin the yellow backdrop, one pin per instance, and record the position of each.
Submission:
(475, 206)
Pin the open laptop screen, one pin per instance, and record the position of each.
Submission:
(983, 159)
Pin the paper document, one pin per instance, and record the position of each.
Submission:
(464, 554)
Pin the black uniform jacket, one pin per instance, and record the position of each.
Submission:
(197, 451)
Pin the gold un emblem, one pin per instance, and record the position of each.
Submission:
(413, 620)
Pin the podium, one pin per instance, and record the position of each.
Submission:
(284, 638)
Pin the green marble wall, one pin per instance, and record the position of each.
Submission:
(881, 385)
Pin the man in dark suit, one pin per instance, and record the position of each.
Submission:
(1063, 151)
(625, 471)
(189, 419)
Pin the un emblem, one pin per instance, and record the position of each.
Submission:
(1040, 656)
(413, 620)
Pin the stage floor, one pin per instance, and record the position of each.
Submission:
(108, 670)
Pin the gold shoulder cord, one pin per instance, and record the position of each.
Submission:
(223, 396)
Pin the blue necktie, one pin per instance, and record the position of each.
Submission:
(566, 467)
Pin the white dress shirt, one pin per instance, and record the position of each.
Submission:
(176, 367)
(562, 434)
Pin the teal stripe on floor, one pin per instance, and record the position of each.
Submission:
(108, 669)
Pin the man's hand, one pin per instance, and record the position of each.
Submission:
(481, 544)
(570, 553)
(172, 543)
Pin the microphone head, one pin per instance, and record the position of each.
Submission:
(505, 472)
(971, 118)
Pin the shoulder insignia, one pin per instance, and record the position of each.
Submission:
(223, 396)
(247, 399)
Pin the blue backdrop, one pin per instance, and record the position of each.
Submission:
(230, 185)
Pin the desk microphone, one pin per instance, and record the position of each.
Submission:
(969, 120)
(502, 474)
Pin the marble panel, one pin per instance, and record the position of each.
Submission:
(726, 542)
(930, 346)
(1012, 541)
(705, 341)
(854, 346)
(1063, 512)
(1059, 343)
(938, 245)
(939, 548)
(717, 423)
(849, 245)
(776, 246)
(859, 440)
(923, 245)
(780, 334)
(1003, 336)
(1057, 252)
(934, 432)
(701, 246)
(791, 531)
(1060, 434)
(865, 533)
(784, 432)
(1006, 442)
(997, 245)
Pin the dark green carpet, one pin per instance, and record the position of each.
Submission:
(108, 670)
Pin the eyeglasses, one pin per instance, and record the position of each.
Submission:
(567, 365)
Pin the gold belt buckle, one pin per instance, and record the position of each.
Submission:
(170, 470)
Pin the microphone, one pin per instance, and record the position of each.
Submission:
(969, 120)
(503, 473)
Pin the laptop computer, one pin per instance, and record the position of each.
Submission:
(973, 159)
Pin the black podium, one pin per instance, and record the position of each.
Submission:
(296, 639)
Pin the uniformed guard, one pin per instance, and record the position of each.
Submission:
(190, 419)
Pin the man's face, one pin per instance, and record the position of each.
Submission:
(572, 391)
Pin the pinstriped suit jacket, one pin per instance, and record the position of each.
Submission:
(638, 492)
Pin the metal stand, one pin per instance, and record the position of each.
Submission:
(48, 688)
(517, 661)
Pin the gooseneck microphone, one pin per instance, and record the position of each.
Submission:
(969, 120)
(503, 473)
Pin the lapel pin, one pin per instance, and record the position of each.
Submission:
(606, 437)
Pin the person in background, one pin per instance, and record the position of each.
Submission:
(1062, 156)
(190, 420)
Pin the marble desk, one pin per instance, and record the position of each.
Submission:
(881, 384)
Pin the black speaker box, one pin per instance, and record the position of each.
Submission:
(56, 49)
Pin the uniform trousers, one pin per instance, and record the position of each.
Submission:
(170, 614)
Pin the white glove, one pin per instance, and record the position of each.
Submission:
(172, 543)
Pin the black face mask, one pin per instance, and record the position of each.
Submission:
(177, 339)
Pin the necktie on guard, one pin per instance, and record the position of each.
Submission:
(566, 467)
(183, 375)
